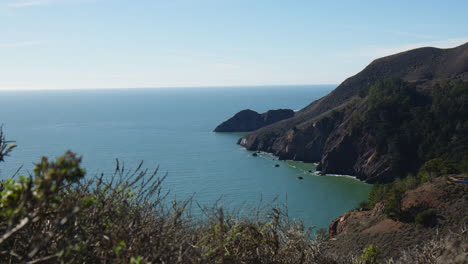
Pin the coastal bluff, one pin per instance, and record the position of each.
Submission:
(249, 120)
(343, 131)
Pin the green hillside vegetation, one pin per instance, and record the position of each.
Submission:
(421, 134)
(411, 127)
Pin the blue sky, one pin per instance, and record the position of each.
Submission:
(73, 44)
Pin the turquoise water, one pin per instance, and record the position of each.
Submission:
(172, 129)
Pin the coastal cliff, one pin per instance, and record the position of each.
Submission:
(339, 130)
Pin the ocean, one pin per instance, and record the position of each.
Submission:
(172, 128)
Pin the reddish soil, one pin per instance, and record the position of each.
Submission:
(384, 226)
(428, 195)
(354, 231)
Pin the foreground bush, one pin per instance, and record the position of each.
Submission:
(370, 255)
(427, 218)
(56, 215)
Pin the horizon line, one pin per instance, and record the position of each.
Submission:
(160, 87)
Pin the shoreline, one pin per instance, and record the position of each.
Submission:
(314, 173)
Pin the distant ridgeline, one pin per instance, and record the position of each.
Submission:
(383, 123)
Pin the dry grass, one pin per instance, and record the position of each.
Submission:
(452, 248)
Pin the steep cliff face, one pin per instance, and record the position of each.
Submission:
(248, 120)
(322, 131)
(287, 143)
(348, 152)
(328, 140)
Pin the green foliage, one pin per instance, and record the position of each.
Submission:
(427, 218)
(118, 247)
(392, 194)
(66, 169)
(389, 118)
(19, 197)
(409, 128)
(364, 206)
(6, 146)
(435, 168)
(29, 202)
(381, 192)
(462, 166)
(136, 260)
(363, 91)
(371, 255)
(415, 133)
(393, 204)
(378, 193)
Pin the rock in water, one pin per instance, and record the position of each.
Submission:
(249, 120)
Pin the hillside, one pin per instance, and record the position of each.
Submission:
(441, 208)
(323, 131)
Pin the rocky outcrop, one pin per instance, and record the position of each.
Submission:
(343, 222)
(322, 131)
(287, 144)
(248, 120)
(355, 230)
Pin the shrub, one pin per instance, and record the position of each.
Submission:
(427, 218)
(378, 193)
(435, 168)
(463, 164)
(59, 216)
(393, 204)
(364, 206)
(371, 255)
(5, 146)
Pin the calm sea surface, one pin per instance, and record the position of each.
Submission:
(172, 129)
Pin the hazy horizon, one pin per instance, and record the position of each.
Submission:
(320, 85)
(102, 44)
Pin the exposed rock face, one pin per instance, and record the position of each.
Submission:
(354, 231)
(342, 223)
(321, 131)
(248, 120)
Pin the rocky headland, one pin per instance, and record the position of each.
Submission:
(331, 130)
(249, 120)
